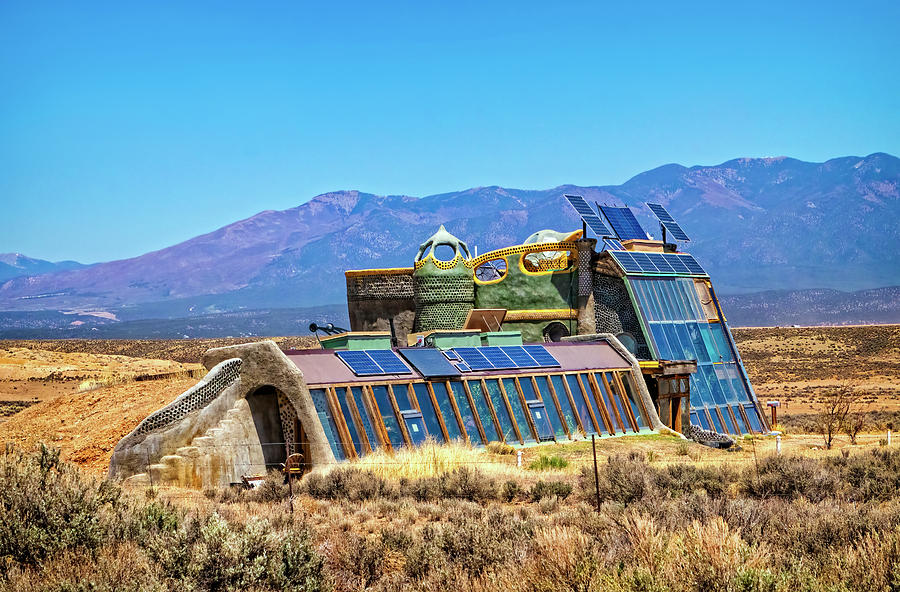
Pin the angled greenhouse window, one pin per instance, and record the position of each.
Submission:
(364, 416)
(565, 402)
(466, 413)
(550, 405)
(512, 394)
(432, 422)
(391, 425)
(483, 410)
(341, 395)
(442, 395)
(328, 423)
(503, 415)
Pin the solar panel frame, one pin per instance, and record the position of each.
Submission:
(359, 362)
(691, 263)
(613, 244)
(388, 361)
(669, 222)
(623, 223)
(641, 263)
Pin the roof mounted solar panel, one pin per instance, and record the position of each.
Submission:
(677, 264)
(430, 362)
(640, 263)
(624, 223)
(613, 244)
(497, 357)
(541, 356)
(520, 357)
(668, 222)
(626, 261)
(692, 264)
(588, 215)
(473, 358)
(363, 363)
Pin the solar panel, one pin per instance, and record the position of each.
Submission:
(637, 262)
(541, 355)
(624, 223)
(613, 244)
(451, 355)
(463, 367)
(497, 357)
(668, 222)
(429, 362)
(473, 357)
(360, 363)
(590, 217)
(520, 357)
(389, 361)
(692, 265)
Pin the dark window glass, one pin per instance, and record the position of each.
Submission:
(465, 411)
(704, 420)
(752, 416)
(484, 411)
(632, 395)
(401, 395)
(741, 424)
(443, 399)
(552, 413)
(364, 415)
(506, 424)
(607, 404)
(415, 427)
(327, 421)
(564, 402)
(592, 400)
(428, 413)
(581, 405)
(341, 394)
(617, 400)
(518, 413)
(387, 415)
(716, 421)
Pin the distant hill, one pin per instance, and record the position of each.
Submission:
(757, 224)
(13, 265)
(813, 307)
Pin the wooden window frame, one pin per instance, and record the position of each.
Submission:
(455, 407)
(611, 428)
(528, 418)
(578, 421)
(474, 411)
(487, 398)
(587, 402)
(512, 416)
(357, 419)
(559, 411)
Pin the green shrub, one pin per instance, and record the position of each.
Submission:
(543, 489)
(548, 462)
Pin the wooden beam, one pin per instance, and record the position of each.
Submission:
(623, 396)
(525, 408)
(601, 403)
(400, 421)
(612, 403)
(537, 391)
(587, 402)
(338, 415)
(437, 411)
(375, 416)
(578, 421)
(559, 411)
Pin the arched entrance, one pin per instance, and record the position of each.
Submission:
(267, 419)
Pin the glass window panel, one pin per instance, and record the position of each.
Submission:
(593, 400)
(728, 421)
(741, 424)
(672, 300)
(568, 412)
(684, 337)
(415, 427)
(527, 389)
(391, 426)
(701, 394)
(721, 341)
(401, 395)
(484, 412)
(675, 348)
(428, 414)
(506, 424)
(364, 416)
(704, 422)
(341, 394)
(518, 413)
(699, 347)
(632, 395)
(734, 375)
(715, 386)
(547, 397)
(690, 296)
(664, 309)
(443, 399)
(663, 349)
(617, 400)
(717, 425)
(580, 404)
(328, 423)
(725, 383)
(753, 417)
(645, 301)
(465, 412)
(709, 342)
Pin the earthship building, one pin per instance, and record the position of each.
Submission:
(550, 340)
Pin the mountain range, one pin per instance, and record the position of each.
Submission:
(757, 224)
(13, 265)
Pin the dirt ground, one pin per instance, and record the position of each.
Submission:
(790, 364)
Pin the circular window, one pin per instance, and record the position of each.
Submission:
(555, 331)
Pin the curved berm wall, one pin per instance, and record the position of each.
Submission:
(226, 426)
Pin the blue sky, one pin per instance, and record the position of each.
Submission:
(128, 127)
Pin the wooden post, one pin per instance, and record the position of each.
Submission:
(290, 477)
(596, 471)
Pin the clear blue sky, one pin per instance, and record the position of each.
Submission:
(127, 128)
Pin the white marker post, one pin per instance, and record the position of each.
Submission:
(778, 444)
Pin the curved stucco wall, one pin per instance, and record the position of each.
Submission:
(207, 436)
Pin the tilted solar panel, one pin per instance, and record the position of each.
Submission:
(627, 262)
(624, 223)
(497, 357)
(692, 265)
(677, 264)
(669, 222)
(590, 217)
(429, 362)
(613, 244)
(637, 262)
(661, 261)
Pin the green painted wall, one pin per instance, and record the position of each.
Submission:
(521, 291)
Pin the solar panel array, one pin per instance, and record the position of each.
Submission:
(373, 362)
(613, 244)
(590, 217)
(506, 357)
(668, 222)
(624, 223)
(635, 262)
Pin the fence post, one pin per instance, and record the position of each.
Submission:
(778, 444)
(519, 459)
(596, 471)
(889, 437)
